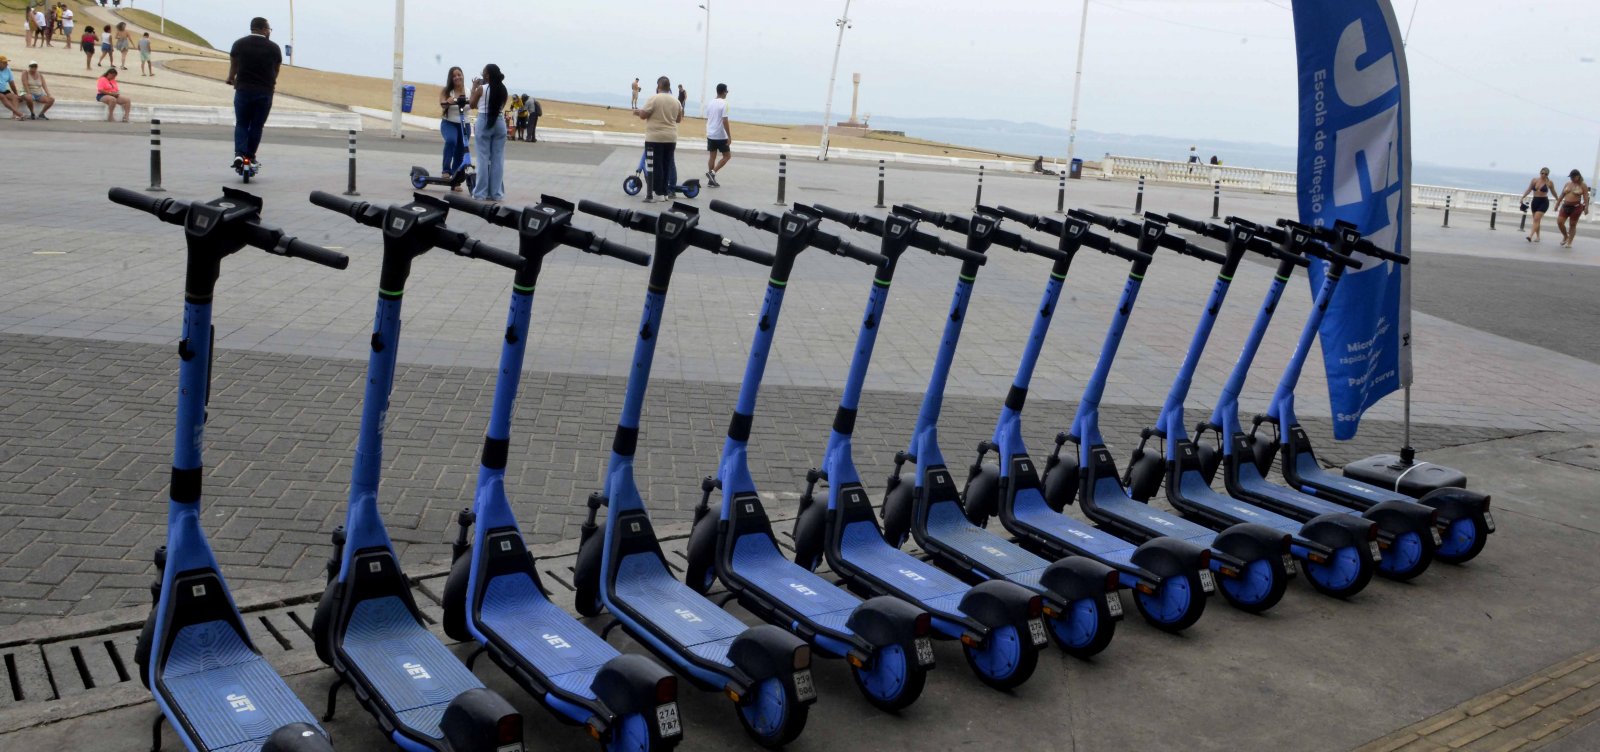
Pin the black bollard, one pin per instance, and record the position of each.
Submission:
(1061, 193)
(155, 157)
(880, 203)
(1447, 210)
(1494, 209)
(1216, 199)
(351, 189)
(649, 173)
(1138, 198)
(783, 180)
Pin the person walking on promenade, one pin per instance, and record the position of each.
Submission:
(48, 15)
(105, 45)
(36, 92)
(452, 98)
(1540, 187)
(521, 133)
(1574, 204)
(124, 40)
(87, 43)
(661, 114)
(634, 105)
(41, 28)
(490, 98)
(719, 136)
(144, 56)
(534, 111)
(253, 67)
(66, 24)
(108, 93)
(683, 97)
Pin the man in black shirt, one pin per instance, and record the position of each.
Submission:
(253, 73)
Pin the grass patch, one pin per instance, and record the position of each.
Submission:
(152, 22)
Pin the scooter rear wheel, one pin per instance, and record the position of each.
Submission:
(1086, 628)
(773, 716)
(419, 182)
(1408, 557)
(889, 680)
(1346, 573)
(1259, 587)
(586, 574)
(1005, 660)
(632, 734)
(1464, 540)
(631, 185)
(1175, 606)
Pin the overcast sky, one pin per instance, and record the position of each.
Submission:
(1494, 84)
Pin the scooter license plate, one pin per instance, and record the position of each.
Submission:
(1377, 553)
(667, 720)
(509, 748)
(803, 686)
(1488, 520)
(924, 646)
(1288, 565)
(1437, 540)
(1036, 631)
(1207, 582)
(1114, 602)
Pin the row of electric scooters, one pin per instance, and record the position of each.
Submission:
(1003, 596)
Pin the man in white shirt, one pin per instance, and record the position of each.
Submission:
(719, 135)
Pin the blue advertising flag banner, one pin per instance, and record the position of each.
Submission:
(1355, 165)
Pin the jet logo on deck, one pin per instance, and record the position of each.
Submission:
(240, 703)
(913, 576)
(687, 615)
(801, 589)
(416, 671)
(556, 641)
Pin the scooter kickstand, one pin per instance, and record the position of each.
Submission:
(333, 699)
(155, 733)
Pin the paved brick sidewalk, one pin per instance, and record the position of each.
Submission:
(84, 468)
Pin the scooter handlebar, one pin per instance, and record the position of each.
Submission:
(603, 247)
(932, 244)
(1020, 217)
(484, 209)
(1040, 249)
(739, 250)
(622, 217)
(169, 210)
(839, 247)
(316, 254)
(1190, 249)
(848, 219)
(1093, 218)
(359, 211)
(747, 216)
(1198, 227)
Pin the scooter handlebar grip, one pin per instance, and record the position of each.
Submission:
(852, 251)
(595, 208)
(480, 250)
(740, 213)
(964, 255)
(1092, 217)
(314, 253)
(1192, 225)
(1376, 252)
(331, 202)
(469, 205)
(1190, 249)
(740, 250)
(1124, 252)
(1040, 249)
(617, 250)
(829, 213)
(136, 200)
(1020, 217)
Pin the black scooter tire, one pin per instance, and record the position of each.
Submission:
(701, 572)
(141, 650)
(980, 500)
(810, 530)
(586, 574)
(794, 722)
(1027, 662)
(916, 680)
(1060, 486)
(898, 505)
(454, 601)
(1197, 608)
(1280, 585)
(1480, 539)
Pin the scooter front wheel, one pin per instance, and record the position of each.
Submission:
(632, 734)
(1464, 540)
(890, 680)
(1175, 606)
(1005, 660)
(701, 572)
(773, 716)
(691, 189)
(631, 185)
(419, 182)
(1408, 557)
(1259, 587)
(1085, 628)
(586, 574)
(454, 602)
(1344, 574)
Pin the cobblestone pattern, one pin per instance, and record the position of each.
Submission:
(85, 457)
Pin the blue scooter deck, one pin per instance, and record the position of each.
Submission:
(661, 603)
(921, 583)
(228, 693)
(1311, 506)
(1029, 508)
(518, 614)
(415, 675)
(951, 529)
(1196, 492)
(1144, 519)
(758, 563)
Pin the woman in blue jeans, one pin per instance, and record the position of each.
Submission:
(489, 97)
(450, 123)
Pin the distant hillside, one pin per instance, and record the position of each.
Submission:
(152, 22)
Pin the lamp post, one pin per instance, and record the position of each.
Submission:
(399, 68)
(291, 31)
(843, 23)
(1077, 84)
(705, 60)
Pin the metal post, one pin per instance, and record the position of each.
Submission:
(843, 22)
(978, 200)
(1216, 199)
(1077, 84)
(155, 157)
(705, 59)
(1138, 198)
(649, 173)
(783, 179)
(1523, 227)
(398, 78)
(1061, 193)
(880, 203)
(1494, 208)
(1447, 210)
(351, 190)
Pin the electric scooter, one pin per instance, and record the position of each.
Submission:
(209, 681)
(885, 640)
(494, 595)
(998, 622)
(764, 670)
(465, 171)
(640, 180)
(1077, 592)
(247, 169)
(1163, 573)
(1250, 557)
(1464, 518)
(367, 626)
(1339, 551)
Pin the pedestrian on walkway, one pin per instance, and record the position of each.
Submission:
(1540, 187)
(48, 16)
(490, 98)
(66, 24)
(522, 118)
(683, 97)
(36, 92)
(8, 90)
(719, 136)
(662, 113)
(452, 98)
(144, 56)
(253, 67)
(27, 26)
(105, 45)
(1574, 204)
(635, 104)
(534, 111)
(41, 28)
(108, 93)
(124, 40)
(87, 44)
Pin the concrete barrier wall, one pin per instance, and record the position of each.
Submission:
(177, 114)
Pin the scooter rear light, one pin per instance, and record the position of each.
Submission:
(1144, 587)
(1227, 571)
(509, 729)
(666, 690)
(923, 625)
(971, 641)
(1205, 558)
(732, 695)
(1035, 606)
(802, 657)
(1113, 579)
(1317, 558)
(1285, 545)
(1372, 532)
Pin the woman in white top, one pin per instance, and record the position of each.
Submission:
(450, 128)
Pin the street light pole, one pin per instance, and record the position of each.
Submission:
(163, 17)
(705, 60)
(827, 110)
(1077, 84)
(399, 68)
(291, 31)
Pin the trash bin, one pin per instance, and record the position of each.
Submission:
(408, 93)
(1075, 171)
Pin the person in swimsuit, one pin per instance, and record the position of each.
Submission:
(1540, 187)
(105, 45)
(1574, 204)
(88, 42)
(36, 92)
(124, 40)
